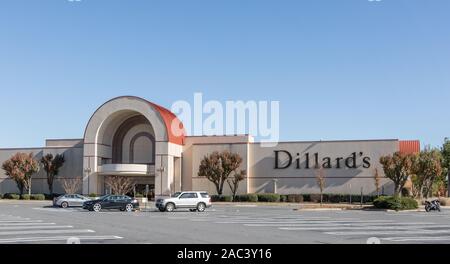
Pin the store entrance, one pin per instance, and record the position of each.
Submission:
(145, 190)
(143, 186)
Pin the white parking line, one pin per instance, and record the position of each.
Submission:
(319, 224)
(13, 218)
(406, 239)
(296, 222)
(33, 227)
(361, 228)
(21, 221)
(56, 238)
(59, 210)
(32, 232)
(378, 233)
(25, 224)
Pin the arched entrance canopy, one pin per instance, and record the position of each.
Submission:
(165, 123)
(107, 130)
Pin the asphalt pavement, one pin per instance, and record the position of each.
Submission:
(39, 222)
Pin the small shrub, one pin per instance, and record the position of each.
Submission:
(251, 197)
(395, 203)
(221, 198)
(336, 198)
(12, 196)
(306, 197)
(51, 196)
(268, 197)
(405, 192)
(93, 195)
(283, 198)
(25, 197)
(369, 198)
(295, 198)
(138, 195)
(39, 196)
(315, 198)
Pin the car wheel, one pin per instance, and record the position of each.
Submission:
(97, 207)
(427, 208)
(129, 208)
(170, 207)
(161, 209)
(201, 207)
(64, 204)
(192, 210)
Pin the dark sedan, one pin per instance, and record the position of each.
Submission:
(121, 202)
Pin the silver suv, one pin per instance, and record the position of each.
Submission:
(195, 201)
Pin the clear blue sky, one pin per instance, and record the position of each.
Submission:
(341, 69)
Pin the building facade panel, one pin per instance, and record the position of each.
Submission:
(295, 165)
(131, 137)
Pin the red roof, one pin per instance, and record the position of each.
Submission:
(169, 118)
(409, 146)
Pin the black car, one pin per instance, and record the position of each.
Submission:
(121, 202)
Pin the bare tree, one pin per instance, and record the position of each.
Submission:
(51, 166)
(320, 177)
(233, 182)
(398, 167)
(120, 184)
(217, 167)
(377, 181)
(428, 169)
(71, 186)
(20, 168)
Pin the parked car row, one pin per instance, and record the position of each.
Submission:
(194, 201)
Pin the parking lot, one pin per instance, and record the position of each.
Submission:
(38, 222)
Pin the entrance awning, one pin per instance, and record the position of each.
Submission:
(126, 170)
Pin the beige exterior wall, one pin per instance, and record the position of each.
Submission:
(337, 180)
(73, 168)
(199, 151)
(181, 165)
(262, 177)
(189, 170)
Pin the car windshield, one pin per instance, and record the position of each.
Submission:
(176, 194)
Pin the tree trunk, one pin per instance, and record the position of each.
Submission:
(50, 183)
(448, 183)
(236, 186)
(221, 187)
(20, 187)
(219, 192)
(29, 186)
(397, 189)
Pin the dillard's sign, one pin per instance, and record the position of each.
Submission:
(313, 161)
